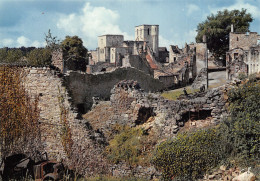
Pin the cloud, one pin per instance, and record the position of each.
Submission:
(23, 41)
(90, 23)
(192, 8)
(7, 42)
(19, 42)
(241, 4)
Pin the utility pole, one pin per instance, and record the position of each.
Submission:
(206, 54)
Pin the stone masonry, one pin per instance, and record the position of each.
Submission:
(129, 105)
(46, 84)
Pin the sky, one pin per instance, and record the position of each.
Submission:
(25, 22)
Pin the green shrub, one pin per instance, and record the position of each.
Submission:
(189, 155)
(242, 76)
(131, 145)
(243, 126)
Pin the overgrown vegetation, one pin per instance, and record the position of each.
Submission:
(174, 94)
(66, 135)
(19, 113)
(243, 127)
(190, 155)
(132, 145)
(26, 56)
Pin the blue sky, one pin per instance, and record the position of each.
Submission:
(25, 22)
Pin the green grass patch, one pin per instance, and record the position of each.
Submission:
(131, 145)
(174, 94)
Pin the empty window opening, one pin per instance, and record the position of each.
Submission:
(144, 114)
(148, 31)
(197, 115)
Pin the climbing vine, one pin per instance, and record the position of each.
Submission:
(66, 135)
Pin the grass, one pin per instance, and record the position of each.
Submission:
(174, 94)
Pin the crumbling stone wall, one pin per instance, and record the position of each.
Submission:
(57, 59)
(127, 100)
(46, 83)
(82, 87)
(243, 40)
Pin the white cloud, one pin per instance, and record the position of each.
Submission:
(90, 23)
(192, 8)
(23, 41)
(36, 44)
(7, 42)
(20, 41)
(241, 4)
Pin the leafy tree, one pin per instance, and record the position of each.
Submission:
(217, 28)
(75, 54)
(39, 57)
(3, 54)
(14, 55)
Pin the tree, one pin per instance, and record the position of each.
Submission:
(52, 42)
(75, 54)
(217, 28)
(39, 57)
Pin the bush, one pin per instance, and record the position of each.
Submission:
(131, 145)
(189, 155)
(243, 125)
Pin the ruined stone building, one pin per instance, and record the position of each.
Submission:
(176, 67)
(243, 55)
(149, 33)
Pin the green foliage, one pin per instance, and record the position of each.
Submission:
(75, 54)
(10, 55)
(242, 76)
(66, 135)
(73, 48)
(189, 155)
(39, 57)
(131, 145)
(243, 126)
(174, 94)
(217, 28)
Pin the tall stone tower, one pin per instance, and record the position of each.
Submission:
(149, 33)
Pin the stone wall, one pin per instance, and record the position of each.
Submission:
(46, 84)
(57, 59)
(242, 40)
(131, 106)
(82, 87)
(140, 64)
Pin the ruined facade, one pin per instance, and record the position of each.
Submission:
(243, 55)
(149, 33)
(105, 43)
